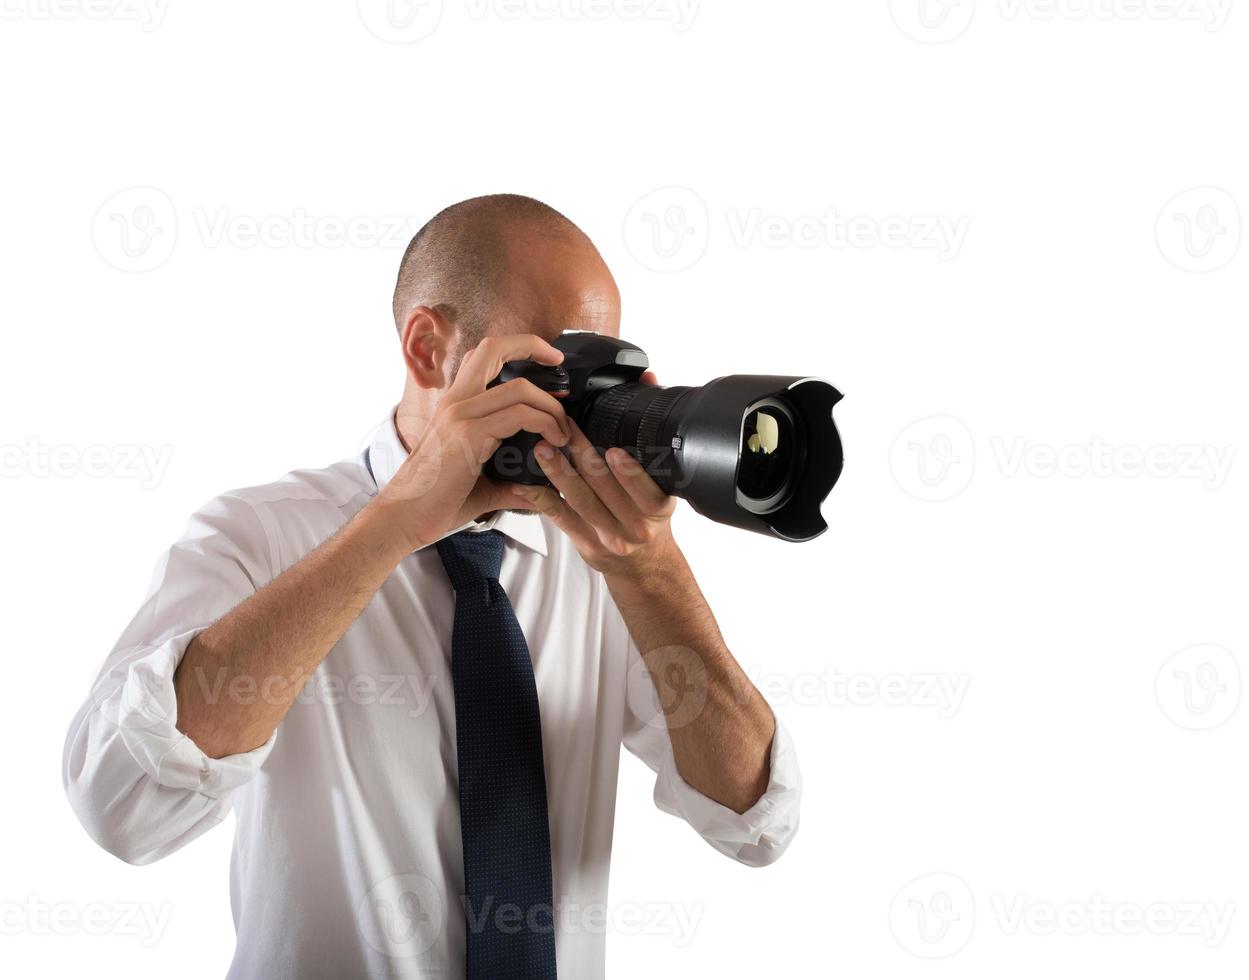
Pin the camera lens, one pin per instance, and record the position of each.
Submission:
(755, 451)
(768, 456)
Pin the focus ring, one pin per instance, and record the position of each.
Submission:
(649, 426)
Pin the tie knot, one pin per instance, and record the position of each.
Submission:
(471, 556)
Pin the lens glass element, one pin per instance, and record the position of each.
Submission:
(768, 451)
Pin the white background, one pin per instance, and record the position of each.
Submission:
(1033, 297)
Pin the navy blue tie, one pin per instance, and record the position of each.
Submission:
(498, 734)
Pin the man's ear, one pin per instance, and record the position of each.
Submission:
(428, 338)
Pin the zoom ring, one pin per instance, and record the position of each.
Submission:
(606, 414)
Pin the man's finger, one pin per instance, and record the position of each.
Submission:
(576, 492)
(515, 418)
(595, 471)
(516, 392)
(488, 357)
(643, 491)
(545, 501)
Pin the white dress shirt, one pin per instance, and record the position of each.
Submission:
(347, 858)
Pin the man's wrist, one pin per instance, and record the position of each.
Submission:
(381, 531)
(651, 568)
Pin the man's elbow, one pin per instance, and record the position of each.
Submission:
(109, 827)
(126, 849)
(115, 804)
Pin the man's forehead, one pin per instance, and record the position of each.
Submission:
(549, 323)
(561, 285)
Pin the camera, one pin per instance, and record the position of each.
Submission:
(759, 452)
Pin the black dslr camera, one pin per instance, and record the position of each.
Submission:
(760, 452)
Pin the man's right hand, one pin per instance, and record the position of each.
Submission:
(439, 487)
(285, 629)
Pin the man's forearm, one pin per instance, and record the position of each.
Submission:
(720, 725)
(240, 676)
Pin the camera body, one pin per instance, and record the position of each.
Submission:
(592, 363)
(760, 452)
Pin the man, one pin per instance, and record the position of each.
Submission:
(411, 683)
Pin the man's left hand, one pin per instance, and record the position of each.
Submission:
(615, 514)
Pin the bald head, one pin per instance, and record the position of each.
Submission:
(506, 264)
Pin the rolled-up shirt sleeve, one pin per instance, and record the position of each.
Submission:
(757, 837)
(141, 788)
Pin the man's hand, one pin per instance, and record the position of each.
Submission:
(615, 514)
(439, 486)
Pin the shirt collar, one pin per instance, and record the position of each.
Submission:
(386, 454)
